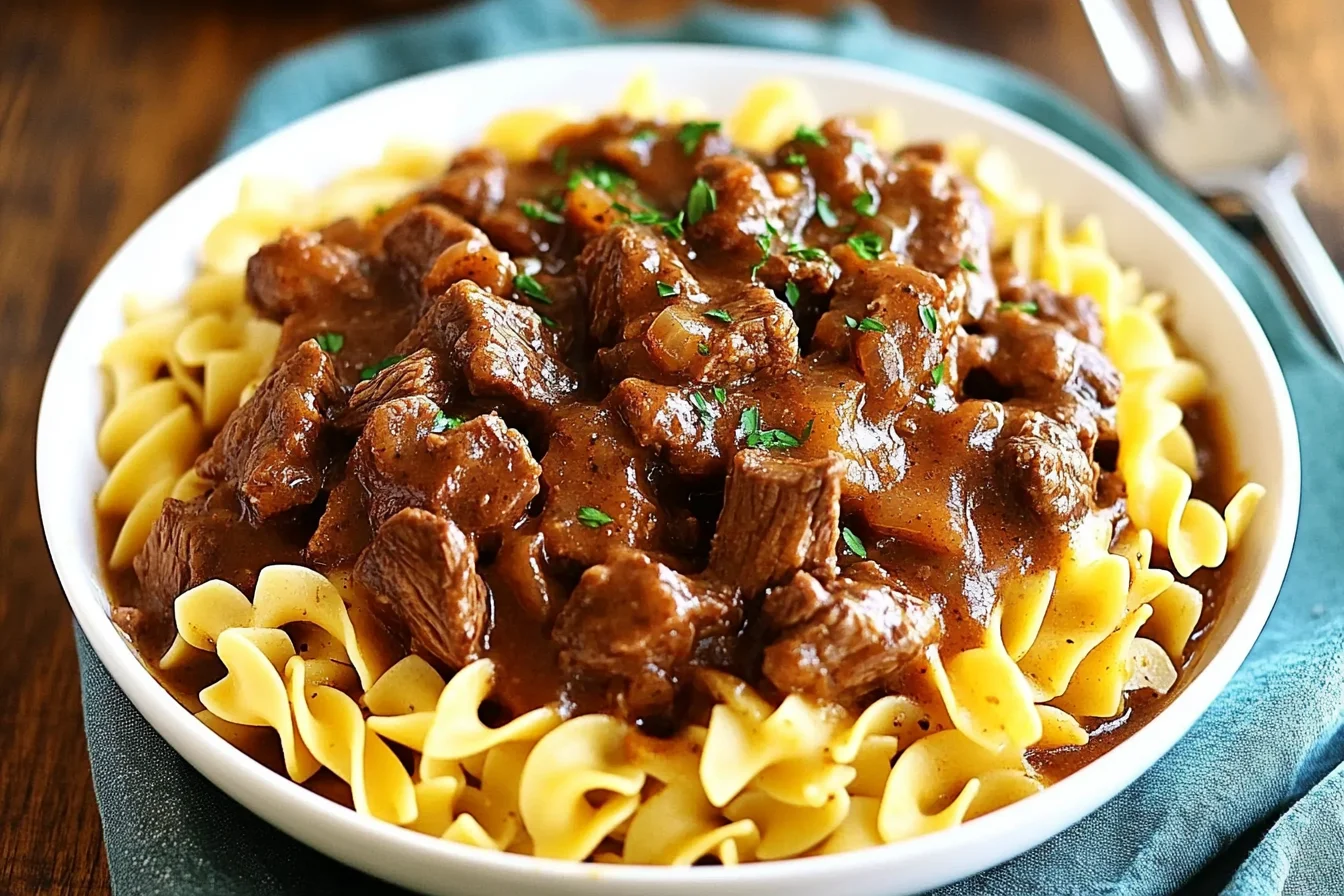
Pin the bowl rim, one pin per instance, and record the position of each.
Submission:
(322, 823)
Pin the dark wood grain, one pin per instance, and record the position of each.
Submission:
(107, 108)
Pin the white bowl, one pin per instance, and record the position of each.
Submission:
(449, 108)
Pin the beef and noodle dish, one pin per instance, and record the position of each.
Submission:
(662, 489)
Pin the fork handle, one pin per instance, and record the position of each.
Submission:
(1274, 202)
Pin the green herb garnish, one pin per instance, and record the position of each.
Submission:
(701, 201)
(825, 212)
(720, 394)
(1024, 307)
(865, 205)
(665, 289)
(969, 265)
(805, 134)
(592, 517)
(538, 212)
(692, 132)
(791, 294)
(795, 158)
(528, 286)
(330, 342)
(380, 209)
(560, 160)
(806, 253)
(549, 321)
(719, 314)
(675, 227)
(604, 177)
(929, 318)
(703, 348)
(643, 135)
(442, 422)
(702, 408)
(871, 325)
(866, 245)
(750, 424)
(939, 372)
(373, 370)
(854, 543)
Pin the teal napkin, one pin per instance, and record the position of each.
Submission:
(1251, 801)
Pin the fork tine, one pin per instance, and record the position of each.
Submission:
(1129, 58)
(1182, 51)
(1228, 42)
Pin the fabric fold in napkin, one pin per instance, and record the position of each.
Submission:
(1251, 801)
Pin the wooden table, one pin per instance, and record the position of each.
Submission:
(107, 108)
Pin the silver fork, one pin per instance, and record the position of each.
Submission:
(1215, 123)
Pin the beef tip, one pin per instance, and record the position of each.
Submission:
(592, 462)
(950, 223)
(634, 623)
(697, 435)
(779, 515)
(430, 249)
(1042, 364)
(195, 541)
(301, 271)
(1049, 467)
(521, 567)
(813, 277)
(660, 165)
(473, 185)
(894, 320)
(620, 271)
(845, 167)
(421, 570)
(272, 448)
(751, 333)
(499, 348)
(1080, 315)
(344, 530)
(744, 206)
(839, 639)
(480, 474)
(417, 374)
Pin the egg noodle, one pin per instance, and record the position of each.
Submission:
(304, 659)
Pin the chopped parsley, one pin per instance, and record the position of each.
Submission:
(701, 201)
(866, 245)
(549, 321)
(560, 160)
(969, 265)
(791, 294)
(764, 241)
(939, 372)
(380, 209)
(720, 314)
(865, 205)
(854, 543)
(442, 422)
(528, 286)
(750, 424)
(538, 212)
(373, 370)
(862, 150)
(702, 408)
(692, 132)
(644, 135)
(805, 134)
(720, 394)
(806, 253)
(592, 517)
(675, 227)
(665, 289)
(604, 177)
(1023, 307)
(871, 325)
(825, 212)
(929, 318)
(795, 158)
(703, 348)
(330, 342)
(648, 217)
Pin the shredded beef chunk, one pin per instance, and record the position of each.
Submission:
(273, 447)
(473, 185)
(480, 474)
(418, 374)
(1080, 315)
(1047, 463)
(779, 516)
(593, 463)
(301, 271)
(842, 638)
(431, 248)
(743, 204)
(499, 348)
(195, 541)
(421, 570)
(635, 622)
